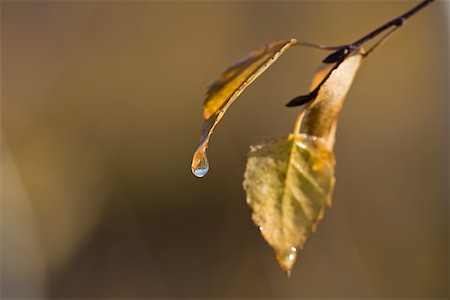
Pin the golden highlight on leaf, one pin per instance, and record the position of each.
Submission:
(222, 92)
(321, 116)
(240, 75)
(288, 183)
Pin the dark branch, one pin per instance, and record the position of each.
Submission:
(342, 52)
(395, 22)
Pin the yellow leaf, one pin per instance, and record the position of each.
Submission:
(289, 182)
(222, 93)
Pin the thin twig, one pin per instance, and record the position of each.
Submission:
(380, 41)
(394, 22)
(342, 52)
(319, 46)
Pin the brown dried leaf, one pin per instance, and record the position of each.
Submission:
(222, 93)
(320, 117)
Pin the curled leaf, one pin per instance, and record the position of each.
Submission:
(238, 76)
(222, 92)
(288, 182)
(323, 112)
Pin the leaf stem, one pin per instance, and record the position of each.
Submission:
(298, 123)
(380, 41)
(319, 46)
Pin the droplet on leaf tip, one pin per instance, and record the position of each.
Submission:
(293, 254)
(202, 167)
(286, 260)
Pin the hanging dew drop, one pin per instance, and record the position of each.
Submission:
(286, 258)
(292, 254)
(202, 167)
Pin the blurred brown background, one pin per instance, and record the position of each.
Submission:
(101, 112)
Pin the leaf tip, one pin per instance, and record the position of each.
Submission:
(286, 259)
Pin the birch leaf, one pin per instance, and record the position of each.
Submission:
(289, 181)
(222, 93)
(288, 184)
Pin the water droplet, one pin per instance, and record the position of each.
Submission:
(302, 145)
(293, 254)
(287, 258)
(261, 228)
(202, 167)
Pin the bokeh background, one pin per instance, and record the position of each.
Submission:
(101, 113)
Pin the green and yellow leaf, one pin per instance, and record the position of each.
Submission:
(222, 93)
(289, 181)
